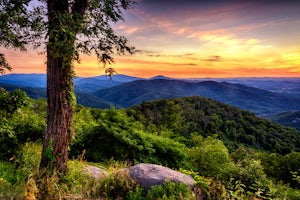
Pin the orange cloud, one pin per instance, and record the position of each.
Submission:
(224, 40)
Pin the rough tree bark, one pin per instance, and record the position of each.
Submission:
(59, 115)
(67, 19)
(60, 88)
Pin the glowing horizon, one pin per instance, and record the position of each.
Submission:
(207, 39)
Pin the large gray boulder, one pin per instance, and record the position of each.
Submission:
(148, 175)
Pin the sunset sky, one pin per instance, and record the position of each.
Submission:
(199, 39)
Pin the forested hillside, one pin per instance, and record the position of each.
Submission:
(291, 119)
(230, 153)
(201, 116)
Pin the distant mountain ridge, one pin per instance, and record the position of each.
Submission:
(25, 80)
(84, 99)
(288, 86)
(84, 84)
(259, 101)
(262, 96)
(91, 84)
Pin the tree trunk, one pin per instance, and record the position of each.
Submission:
(59, 115)
(60, 91)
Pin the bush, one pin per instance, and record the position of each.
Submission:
(19, 123)
(23, 126)
(251, 180)
(118, 182)
(282, 168)
(11, 101)
(17, 179)
(292, 194)
(77, 183)
(7, 179)
(170, 191)
(210, 157)
(206, 188)
(167, 191)
(120, 137)
(8, 142)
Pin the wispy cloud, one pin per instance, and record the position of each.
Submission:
(164, 55)
(148, 53)
(156, 63)
(214, 59)
(209, 38)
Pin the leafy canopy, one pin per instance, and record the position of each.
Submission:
(20, 26)
(84, 25)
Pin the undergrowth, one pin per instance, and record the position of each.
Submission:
(19, 179)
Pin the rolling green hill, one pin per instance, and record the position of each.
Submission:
(291, 119)
(206, 117)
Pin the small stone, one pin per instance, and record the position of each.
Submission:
(95, 172)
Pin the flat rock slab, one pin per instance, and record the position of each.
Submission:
(148, 175)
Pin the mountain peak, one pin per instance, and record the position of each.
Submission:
(118, 78)
(160, 77)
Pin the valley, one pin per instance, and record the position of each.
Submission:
(266, 97)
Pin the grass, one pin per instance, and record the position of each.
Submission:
(19, 180)
(17, 176)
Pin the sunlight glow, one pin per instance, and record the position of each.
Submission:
(199, 40)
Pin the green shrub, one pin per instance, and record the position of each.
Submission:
(12, 101)
(282, 168)
(137, 194)
(23, 126)
(119, 137)
(170, 191)
(210, 157)
(251, 181)
(167, 191)
(8, 142)
(206, 188)
(17, 178)
(117, 183)
(7, 179)
(293, 194)
(28, 160)
(28, 126)
(76, 182)
(19, 123)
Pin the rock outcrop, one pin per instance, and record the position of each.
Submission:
(148, 175)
